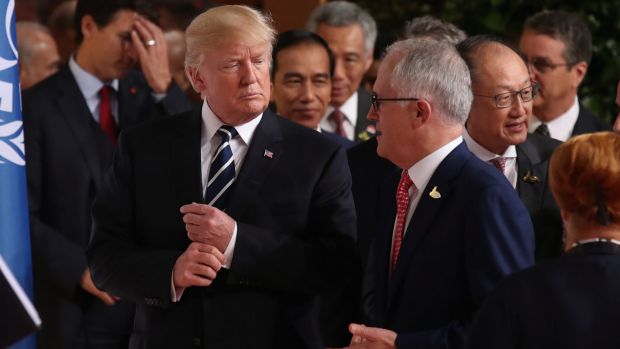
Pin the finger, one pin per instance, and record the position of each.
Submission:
(151, 27)
(138, 44)
(214, 251)
(193, 218)
(143, 32)
(194, 207)
(204, 271)
(106, 298)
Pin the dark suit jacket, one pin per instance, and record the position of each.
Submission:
(344, 142)
(533, 188)
(295, 237)
(456, 249)
(587, 122)
(66, 153)
(569, 302)
(362, 130)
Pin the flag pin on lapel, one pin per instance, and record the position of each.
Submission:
(132, 90)
(268, 154)
(530, 178)
(435, 194)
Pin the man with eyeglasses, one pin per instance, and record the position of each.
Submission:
(496, 132)
(558, 48)
(451, 227)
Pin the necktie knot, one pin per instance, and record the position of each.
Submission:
(106, 120)
(543, 130)
(227, 133)
(337, 118)
(499, 163)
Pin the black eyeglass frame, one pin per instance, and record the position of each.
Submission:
(542, 66)
(497, 97)
(376, 100)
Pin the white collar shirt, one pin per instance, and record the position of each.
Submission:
(349, 109)
(510, 170)
(560, 128)
(90, 86)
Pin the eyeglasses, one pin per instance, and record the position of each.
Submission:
(505, 100)
(543, 65)
(376, 101)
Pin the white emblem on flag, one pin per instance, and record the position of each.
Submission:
(12, 143)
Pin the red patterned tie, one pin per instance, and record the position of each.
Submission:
(337, 118)
(402, 207)
(499, 163)
(106, 120)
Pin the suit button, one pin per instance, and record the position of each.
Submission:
(196, 341)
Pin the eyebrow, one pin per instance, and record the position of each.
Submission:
(509, 87)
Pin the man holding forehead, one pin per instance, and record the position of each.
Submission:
(558, 48)
(350, 32)
(225, 224)
(496, 132)
(451, 226)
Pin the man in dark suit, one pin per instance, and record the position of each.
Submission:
(496, 132)
(558, 48)
(224, 226)
(70, 135)
(350, 32)
(455, 226)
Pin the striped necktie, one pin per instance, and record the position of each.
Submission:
(222, 170)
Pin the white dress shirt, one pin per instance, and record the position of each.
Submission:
(511, 170)
(560, 128)
(90, 86)
(209, 142)
(420, 174)
(349, 109)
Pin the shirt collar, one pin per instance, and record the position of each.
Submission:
(211, 123)
(422, 171)
(561, 127)
(87, 82)
(349, 109)
(483, 153)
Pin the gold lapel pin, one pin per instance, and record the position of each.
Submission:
(530, 178)
(434, 193)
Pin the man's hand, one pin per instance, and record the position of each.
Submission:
(197, 266)
(208, 225)
(87, 284)
(371, 337)
(151, 47)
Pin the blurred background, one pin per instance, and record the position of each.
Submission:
(500, 17)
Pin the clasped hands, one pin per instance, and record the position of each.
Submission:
(210, 231)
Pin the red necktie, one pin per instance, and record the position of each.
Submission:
(402, 207)
(106, 120)
(337, 118)
(499, 163)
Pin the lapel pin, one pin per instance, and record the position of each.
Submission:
(434, 193)
(268, 154)
(132, 90)
(530, 178)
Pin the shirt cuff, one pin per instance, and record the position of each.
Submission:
(230, 249)
(175, 293)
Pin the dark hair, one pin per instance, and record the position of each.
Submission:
(296, 38)
(469, 48)
(102, 12)
(434, 28)
(566, 27)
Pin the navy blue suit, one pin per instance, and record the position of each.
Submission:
(456, 249)
(570, 302)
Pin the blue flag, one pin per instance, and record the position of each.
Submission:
(14, 232)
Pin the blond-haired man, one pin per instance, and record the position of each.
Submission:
(224, 225)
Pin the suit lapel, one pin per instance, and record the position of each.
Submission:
(531, 176)
(80, 121)
(263, 154)
(185, 159)
(130, 98)
(426, 212)
(361, 125)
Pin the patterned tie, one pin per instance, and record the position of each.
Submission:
(499, 163)
(337, 118)
(402, 207)
(106, 120)
(543, 130)
(222, 170)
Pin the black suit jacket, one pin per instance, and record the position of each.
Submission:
(587, 122)
(362, 130)
(533, 188)
(295, 237)
(570, 302)
(66, 154)
(461, 241)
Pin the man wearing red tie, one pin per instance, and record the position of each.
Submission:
(72, 121)
(451, 226)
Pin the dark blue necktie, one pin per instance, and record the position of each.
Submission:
(222, 170)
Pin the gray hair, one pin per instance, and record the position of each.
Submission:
(434, 28)
(222, 24)
(26, 46)
(566, 27)
(434, 71)
(342, 14)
